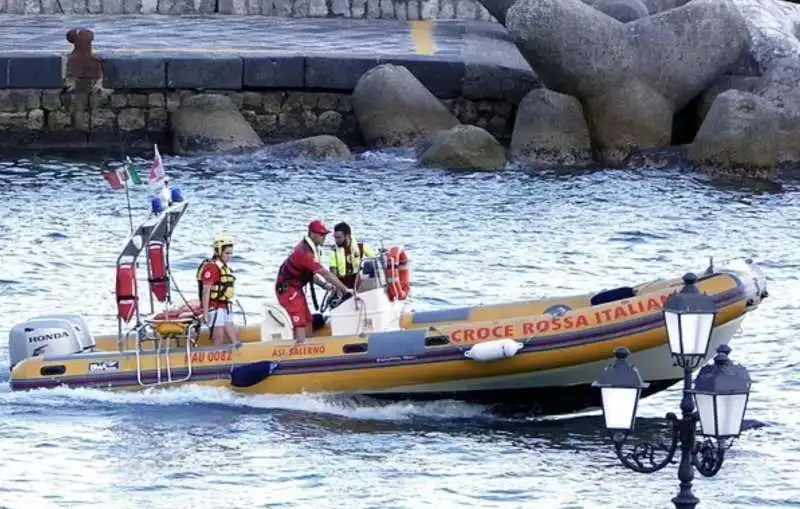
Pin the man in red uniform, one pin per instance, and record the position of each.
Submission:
(298, 270)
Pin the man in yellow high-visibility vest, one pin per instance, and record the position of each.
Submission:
(347, 255)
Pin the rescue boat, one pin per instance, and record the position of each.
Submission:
(533, 356)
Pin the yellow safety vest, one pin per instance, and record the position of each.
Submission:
(342, 265)
(222, 291)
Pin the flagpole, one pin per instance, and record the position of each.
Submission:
(128, 194)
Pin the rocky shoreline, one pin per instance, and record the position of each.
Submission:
(607, 82)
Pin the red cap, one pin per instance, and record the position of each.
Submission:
(318, 227)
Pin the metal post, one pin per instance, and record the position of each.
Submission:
(687, 428)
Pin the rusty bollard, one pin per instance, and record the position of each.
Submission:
(83, 74)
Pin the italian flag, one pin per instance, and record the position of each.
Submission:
(118, 179)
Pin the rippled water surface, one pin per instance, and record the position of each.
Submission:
(472, 238)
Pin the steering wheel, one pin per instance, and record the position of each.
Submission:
(332, 299)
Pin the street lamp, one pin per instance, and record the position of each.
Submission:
(721, 392)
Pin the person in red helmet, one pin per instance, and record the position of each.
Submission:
(301, 268)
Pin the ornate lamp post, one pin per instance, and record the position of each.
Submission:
(721, 391)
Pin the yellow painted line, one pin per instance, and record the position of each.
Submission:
(422, 35)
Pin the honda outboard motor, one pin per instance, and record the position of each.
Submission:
(50, 335)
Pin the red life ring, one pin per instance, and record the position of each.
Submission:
(157, 261)
(127, 300)
(397, 274)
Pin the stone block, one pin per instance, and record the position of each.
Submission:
(442, 77)
(211, 72)
(31, 71)
(495, 82)
(285, 71)
(334, 72)
(134, 72)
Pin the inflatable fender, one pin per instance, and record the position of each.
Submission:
(494, 350)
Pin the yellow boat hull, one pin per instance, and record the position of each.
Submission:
(426, 360)
(424, 319)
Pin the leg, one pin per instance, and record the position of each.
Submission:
(230, 329)
(218, 325)
(294, 302)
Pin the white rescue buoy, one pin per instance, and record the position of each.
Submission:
(494, 350)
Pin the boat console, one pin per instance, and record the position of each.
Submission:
(368, 309)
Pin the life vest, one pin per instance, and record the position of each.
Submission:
(289, 274)
(346, 265)
(222, 291)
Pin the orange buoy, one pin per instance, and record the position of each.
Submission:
(127, 300)
(404, 272)
(157, 261)
(397, 274)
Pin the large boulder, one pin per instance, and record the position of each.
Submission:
(723, 83)
(739, 134)
(770, 67)
(323, 146)
(780, 85)
(550, 130)
(630, 77)
(464, 147)
(211, 123)
(620, 10)
(394, 109)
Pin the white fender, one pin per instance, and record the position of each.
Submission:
(494, 350)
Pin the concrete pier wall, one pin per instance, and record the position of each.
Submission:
(358, 9)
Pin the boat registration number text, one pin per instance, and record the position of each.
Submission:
(213, 356)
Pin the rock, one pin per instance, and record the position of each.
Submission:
(739, 134)
(726, 82)
(394, 109)
(656, 6)
(323, 146)
(498, 8)
(773, 52)
(463, 147)
(630, 77)
(620, 10)
(211, 123)
(779, 86)
(771, 26)
(550, 130)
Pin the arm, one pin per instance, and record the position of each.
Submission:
(206, 299)
(210, 276)
(320, 281)
(319, 271)
(332, 279)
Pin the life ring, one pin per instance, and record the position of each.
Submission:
(192, 309)
(157, 261)
(398, 276)
(127, 300)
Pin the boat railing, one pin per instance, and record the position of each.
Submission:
(164, 333)
(159, 227)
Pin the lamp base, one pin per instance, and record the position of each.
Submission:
(683, 501)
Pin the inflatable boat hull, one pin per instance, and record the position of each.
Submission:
(559, 357)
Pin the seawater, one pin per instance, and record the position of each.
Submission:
(472, 238)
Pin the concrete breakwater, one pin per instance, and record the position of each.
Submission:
(289, 79)
(359, 9)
